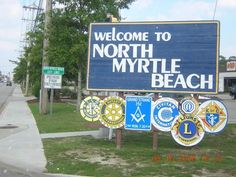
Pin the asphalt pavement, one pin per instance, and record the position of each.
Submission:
(5, 92)
(230, 104)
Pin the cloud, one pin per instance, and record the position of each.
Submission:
(142, 4)
(11, 14)
(229, 4)
(10, 10)
(189, 10)
(228, 50)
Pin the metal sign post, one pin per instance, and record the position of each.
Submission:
(51, 100)
(52, 80)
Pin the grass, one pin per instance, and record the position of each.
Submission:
(214, 156)
(63, 119)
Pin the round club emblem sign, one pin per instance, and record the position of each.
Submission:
(112, 112)
(164, 111)
(90, 108)
(214, 116)
(187, 131)
(188, 106)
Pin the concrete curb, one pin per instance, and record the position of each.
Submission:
(94, 133)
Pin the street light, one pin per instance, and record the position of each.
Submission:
(14, 62)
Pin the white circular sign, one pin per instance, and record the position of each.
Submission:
(214, 116)
(187, 131)
(90, 108)
(164, 111)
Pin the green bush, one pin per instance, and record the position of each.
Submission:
(36, 88)
(68, 93)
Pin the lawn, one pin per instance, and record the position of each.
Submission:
(64, 119)
(214, 156)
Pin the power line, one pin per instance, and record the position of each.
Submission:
(215, 9)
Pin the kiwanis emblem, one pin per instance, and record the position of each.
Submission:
(187, 131)
(112, 112)
(90, 108)
(165, 110)
(213, 115)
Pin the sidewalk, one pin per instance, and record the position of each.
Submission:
(20, 142)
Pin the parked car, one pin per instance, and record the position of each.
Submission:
(9, 83)
(232, 91)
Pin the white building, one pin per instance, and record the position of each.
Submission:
(227, 78)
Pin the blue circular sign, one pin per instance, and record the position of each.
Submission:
(165, 110)
(187, 129)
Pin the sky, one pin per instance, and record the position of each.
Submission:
(12, 27)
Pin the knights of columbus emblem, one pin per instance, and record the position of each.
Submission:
(214, 116)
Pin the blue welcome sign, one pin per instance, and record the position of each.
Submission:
(138, 113)
(154, 57)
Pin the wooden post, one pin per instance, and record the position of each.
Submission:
(154, 130)
(119, 131)
(118, 138)
(196, 96)
(51, 100)
(154, 139)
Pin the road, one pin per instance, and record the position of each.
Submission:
(5, 92)
(230, 105)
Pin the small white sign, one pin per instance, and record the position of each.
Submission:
(231, 66)
(52, 81)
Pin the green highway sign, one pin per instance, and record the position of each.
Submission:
(53, 70)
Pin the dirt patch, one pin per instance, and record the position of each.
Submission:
(94, 125)
(97, 157)
(204, 172)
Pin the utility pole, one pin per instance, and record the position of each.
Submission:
(79, 94)
(27, 78)
(28, 17)
(44, 92)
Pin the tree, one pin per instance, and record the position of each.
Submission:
(232, 58)
(70, 28)
(68, 39)
(222, 63)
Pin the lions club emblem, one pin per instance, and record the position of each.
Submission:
(187, 131)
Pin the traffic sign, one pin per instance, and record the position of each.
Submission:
(53, 70)
(138, 113)
(52, 81)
